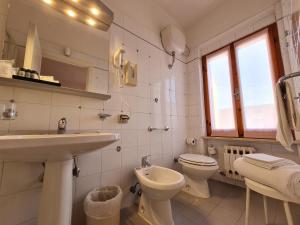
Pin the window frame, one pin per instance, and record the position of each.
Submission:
(278, 71)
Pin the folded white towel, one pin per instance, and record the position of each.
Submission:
(267, 161)
(285, 179)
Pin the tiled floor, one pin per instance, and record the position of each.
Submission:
(225, 207)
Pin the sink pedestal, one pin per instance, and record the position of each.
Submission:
(56, 199)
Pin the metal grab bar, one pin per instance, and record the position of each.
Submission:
(289, 76)
(150, 129)
(281, 82)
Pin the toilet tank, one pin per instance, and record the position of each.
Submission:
(173, 39)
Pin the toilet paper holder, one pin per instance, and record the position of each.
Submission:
(191, 141)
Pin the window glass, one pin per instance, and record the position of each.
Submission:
(256, 83)
(220, 91)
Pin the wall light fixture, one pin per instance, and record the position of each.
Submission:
(91, 12)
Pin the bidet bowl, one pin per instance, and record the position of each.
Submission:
(159, 183)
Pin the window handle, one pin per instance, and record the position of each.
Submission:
(236, 93)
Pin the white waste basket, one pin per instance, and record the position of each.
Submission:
(102, 206)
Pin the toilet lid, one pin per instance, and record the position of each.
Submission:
(198, 159)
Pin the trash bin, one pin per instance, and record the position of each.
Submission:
(102, 206)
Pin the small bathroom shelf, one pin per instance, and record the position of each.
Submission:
(50, 88)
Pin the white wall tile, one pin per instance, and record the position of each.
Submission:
(111, 160)
(6, 93)
(14, 208)
(32, 96)
(31, 117)
(89, 119)
(111, 178)
(115, 103)
(65, 100)
(91, 103)
(19, 176)
(4, 126)
(129, 157)
(89, 163)
(129, 138)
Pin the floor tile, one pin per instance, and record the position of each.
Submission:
(225, 207)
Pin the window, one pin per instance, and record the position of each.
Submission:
(239, 84)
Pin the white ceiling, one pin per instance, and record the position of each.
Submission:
(186, 12)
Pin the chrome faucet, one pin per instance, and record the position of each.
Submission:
(145, 161)
(62, 126)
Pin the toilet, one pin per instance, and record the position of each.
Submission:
(197, 169)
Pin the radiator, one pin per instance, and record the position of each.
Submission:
(231, 153)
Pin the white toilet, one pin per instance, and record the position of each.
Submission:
(197, 169)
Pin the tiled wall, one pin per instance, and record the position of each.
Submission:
(20, 187)
(196, 106)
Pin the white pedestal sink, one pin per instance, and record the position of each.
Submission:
(57, 150)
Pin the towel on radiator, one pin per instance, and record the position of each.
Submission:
(285, 179)
(267, 161)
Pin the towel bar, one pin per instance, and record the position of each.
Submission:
(150, 129)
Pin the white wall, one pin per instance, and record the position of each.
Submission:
(149, 14)
(20, 188)
(225, 16)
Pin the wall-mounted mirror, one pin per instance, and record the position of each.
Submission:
(61, 49)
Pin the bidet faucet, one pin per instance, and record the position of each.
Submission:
(62, 126)
(145, 161)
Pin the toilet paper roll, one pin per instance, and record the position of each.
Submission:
(212, 150)
(191, 141)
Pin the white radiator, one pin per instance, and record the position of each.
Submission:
(231, 153)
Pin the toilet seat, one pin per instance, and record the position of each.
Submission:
(198, 160)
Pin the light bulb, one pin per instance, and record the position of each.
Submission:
(49, 2)
(71, 13)
(91, 22)
(95, 11)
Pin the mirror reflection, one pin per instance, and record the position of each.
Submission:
(43, 45)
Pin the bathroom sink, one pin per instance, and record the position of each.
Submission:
(57, 151)
(52, 147)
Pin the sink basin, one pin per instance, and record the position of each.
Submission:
(52, 147)
(57, 150)
(159, 185)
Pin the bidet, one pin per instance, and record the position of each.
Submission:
(159, 185)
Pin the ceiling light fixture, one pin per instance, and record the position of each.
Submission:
(91, 12)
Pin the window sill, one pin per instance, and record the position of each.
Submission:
(240, 139)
